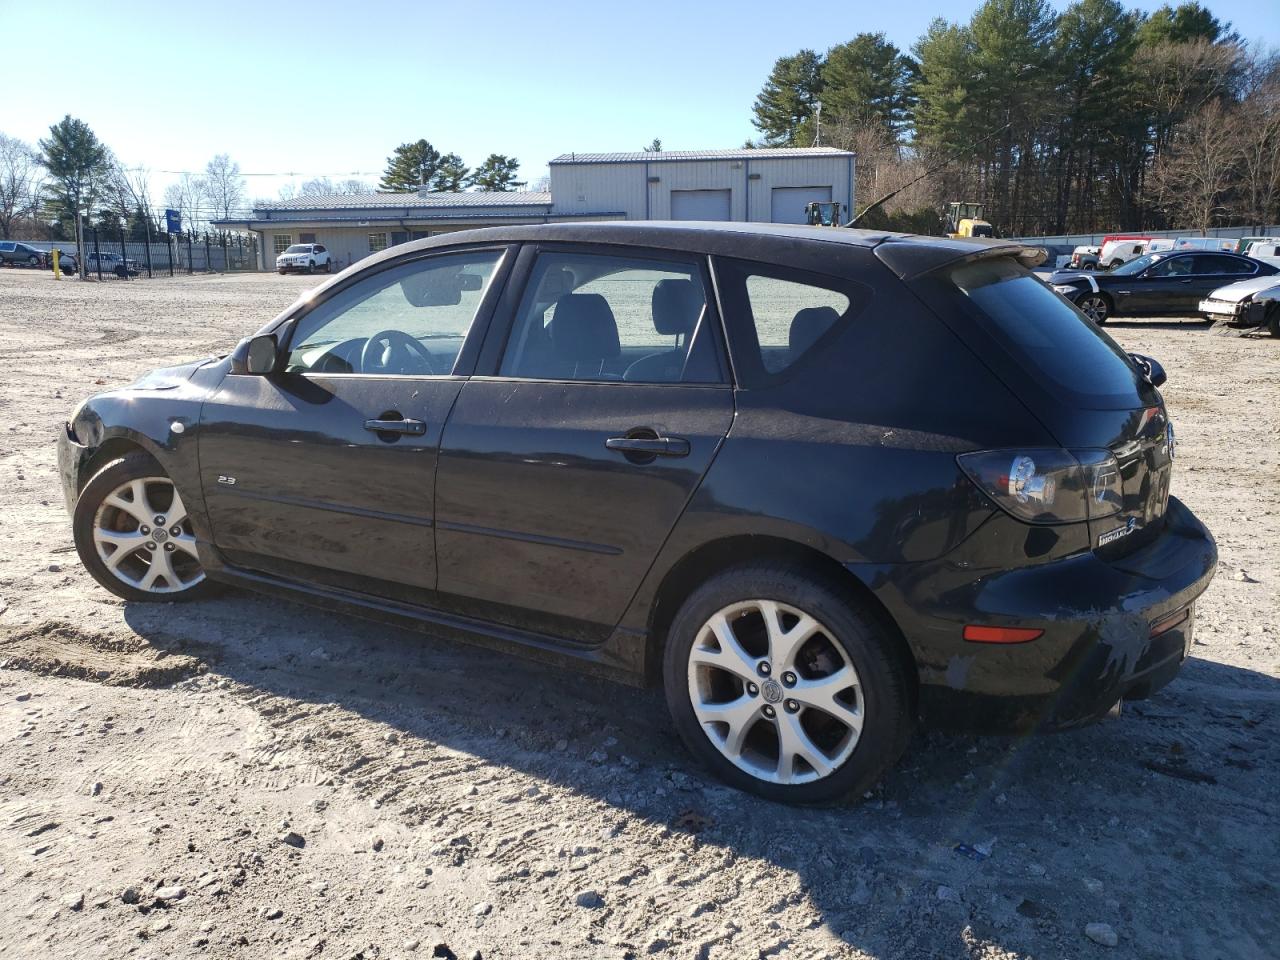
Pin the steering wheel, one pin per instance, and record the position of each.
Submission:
(394, 351)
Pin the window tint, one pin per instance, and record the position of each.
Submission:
(777, 315)
(1216, 263)
(588, 317)
(1047, 335)
(410, 319)
(1173, 267)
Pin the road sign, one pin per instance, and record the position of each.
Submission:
(173, 221)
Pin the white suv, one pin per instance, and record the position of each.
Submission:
(308, 257)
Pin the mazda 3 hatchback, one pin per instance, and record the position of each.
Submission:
(817, 483)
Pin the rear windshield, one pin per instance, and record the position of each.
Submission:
(1049, 338)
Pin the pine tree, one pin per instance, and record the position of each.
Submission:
(784, 108)
(410, 166)
(868, 79)
(78, 163)
(450, 175)
(497, 173)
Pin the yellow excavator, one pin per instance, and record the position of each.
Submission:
(965, 220)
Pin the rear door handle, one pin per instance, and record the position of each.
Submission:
(414, 428)
(652, 446)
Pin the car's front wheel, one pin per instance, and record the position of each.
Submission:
(1095, 307)
(134, 536)
(787, 686)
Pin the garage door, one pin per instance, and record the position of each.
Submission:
(788, 203)
(699, 204)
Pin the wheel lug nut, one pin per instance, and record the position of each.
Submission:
(769, 712)
(752, 689)
(159, 521)
(763, 669)
(176, 532)
(169, 547)
(792, 706)
(144, 530)
(789, 679)
(151, 545)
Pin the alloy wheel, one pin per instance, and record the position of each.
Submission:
(143, 535)
(774, 692)
(1095, 308)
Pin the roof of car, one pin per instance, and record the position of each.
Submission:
(907, 255)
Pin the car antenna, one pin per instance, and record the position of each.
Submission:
(936, 167)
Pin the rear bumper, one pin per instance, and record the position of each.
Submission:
(1113, 630)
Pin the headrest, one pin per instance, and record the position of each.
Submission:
(677, 304)
(808, 325)
(583, 329)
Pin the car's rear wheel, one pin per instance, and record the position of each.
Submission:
(1273, 320)
(133, 534)
(787, 686)
(1095, 307)
(328, 266)
(311, 267)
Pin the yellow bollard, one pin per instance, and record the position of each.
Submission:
(57, 272)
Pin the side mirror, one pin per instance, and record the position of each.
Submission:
(1150, 368)
(256, 356)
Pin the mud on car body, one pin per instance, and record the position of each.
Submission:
(816, 483)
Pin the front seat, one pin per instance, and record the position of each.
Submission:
(584, 334)
(677, 305)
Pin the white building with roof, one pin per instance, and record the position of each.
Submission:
(764, 185)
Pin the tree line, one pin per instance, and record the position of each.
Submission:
(1092, 119)
(71, 181)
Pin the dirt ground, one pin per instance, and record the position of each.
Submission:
(248, 778)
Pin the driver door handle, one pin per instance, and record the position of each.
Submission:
(414, 428)
(656, 446)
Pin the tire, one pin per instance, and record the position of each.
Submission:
(1273, 320)
(311, 267)
(1096, 307)
(282, 272)
(108, 523)
(122, 273)
(1087, 266)
(33, 261)
(702, 673)
(328, 266)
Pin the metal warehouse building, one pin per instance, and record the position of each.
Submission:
(766, 185)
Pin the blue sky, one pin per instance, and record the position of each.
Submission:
(330, 88)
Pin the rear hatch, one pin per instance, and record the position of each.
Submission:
(1075, 379)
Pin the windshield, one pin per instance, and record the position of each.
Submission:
(299, 248)
(1136, 266)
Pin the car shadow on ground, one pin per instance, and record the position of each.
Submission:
(1137, 323)
(1126, 801)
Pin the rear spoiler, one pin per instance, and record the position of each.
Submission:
(913, 259)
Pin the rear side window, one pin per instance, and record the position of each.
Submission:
(1211, 263)
(777, 316)
(1049, 338)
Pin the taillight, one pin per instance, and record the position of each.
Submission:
(1047, 485)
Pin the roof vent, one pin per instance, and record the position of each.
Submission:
(423, 189)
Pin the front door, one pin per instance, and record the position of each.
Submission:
(324, 471)
(563, 471)
(1158, 289)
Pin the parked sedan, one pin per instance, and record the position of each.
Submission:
(20, 254)
(1157, 284)
(686, 454)
(1248, 303)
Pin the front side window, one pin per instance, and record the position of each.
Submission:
(1172, 267)
(778, 315)
(410, 320)
(1136, 266)
(607, 318)
(282, 242)
(377, 241)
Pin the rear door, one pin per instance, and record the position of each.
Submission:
(1212, 272)
(570, 455)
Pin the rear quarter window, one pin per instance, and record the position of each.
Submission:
(1049, 338)
(777, 316)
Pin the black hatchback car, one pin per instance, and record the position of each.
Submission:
(1158, 284)
(814, 481)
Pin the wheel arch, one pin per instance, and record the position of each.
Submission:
(113, 448)
(707, 560)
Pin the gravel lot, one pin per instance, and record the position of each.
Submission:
(250, 778)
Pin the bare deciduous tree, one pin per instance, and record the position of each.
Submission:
(21, 175)
(223, 187)
(186, 195)
(1255, 130)
(1194, 175)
